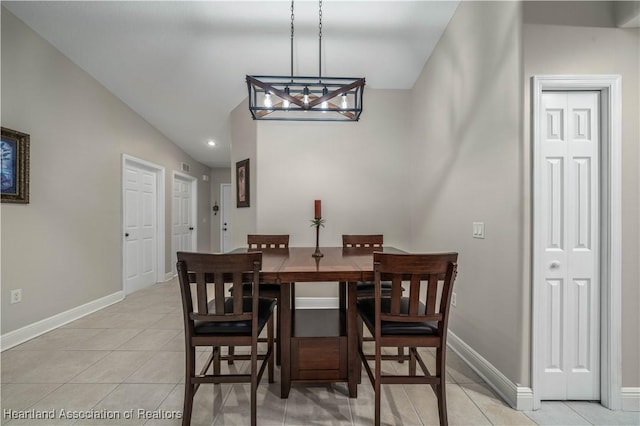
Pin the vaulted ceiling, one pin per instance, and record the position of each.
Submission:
(182, 65)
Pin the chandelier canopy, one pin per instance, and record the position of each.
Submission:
(315, 98)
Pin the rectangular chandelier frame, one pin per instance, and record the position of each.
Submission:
(305, 98)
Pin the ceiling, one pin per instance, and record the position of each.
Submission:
(181, 65)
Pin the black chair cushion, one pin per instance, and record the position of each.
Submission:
(371, 286)
(270, 287)
(240, 328)
(367, 309)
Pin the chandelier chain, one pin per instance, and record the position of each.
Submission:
(320, 20)
(305, 98)
(320, 39)
(292, 17)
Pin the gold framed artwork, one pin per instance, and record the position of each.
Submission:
(15, 166)
(242, 183)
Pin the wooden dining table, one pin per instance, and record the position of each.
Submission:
(319, 345)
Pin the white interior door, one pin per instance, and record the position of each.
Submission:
(140, 227)
(568, 233)
(225, 218)
(183, 233)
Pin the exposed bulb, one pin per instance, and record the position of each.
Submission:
(305, 97)
(285, 102)
(344, 104)
(267, 100)
(324, 104)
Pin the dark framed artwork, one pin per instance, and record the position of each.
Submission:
(242, 183)
(15, 166)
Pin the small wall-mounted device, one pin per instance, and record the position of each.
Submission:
(215, 208)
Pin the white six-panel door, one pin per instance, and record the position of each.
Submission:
(183, 223)
(140, 227)
(225, 218)
(569, 233)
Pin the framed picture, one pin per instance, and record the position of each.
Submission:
(242, 182)
(15, 166)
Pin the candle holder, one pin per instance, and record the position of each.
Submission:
(317, 222)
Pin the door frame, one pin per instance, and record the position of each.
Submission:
(160, 215)
(222, 206)
(610, 87)
(193, 181)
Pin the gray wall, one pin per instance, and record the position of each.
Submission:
(458, 154)
(64, 249)
(471, 161)
(467, 166)
(244, 136)
(583, 49)
(358, 170)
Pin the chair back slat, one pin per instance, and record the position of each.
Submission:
(267, 241)
(216, 270)
(432, 294)
(238, 295)
(201, 292)
(414, 295)
(218, 291)
(396, 294)
(420, 271)
(373, 240)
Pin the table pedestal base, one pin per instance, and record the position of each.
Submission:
(319, 350)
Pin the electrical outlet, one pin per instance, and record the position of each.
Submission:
(16, 296)
(453, 299)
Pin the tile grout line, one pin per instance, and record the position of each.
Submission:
(161, 402)
(226, 397)
(571, 408)
(476, 404)
(455, 382)
(415, 411)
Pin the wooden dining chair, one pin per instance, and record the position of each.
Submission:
(218, 321)
(366, 288)
(267, 242)
(410, 321)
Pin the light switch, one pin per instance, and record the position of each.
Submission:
(478, 229)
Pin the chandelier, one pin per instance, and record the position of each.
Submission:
(315, 98)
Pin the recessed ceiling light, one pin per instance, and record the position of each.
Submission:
(211, 143)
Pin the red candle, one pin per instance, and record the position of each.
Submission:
(318, 209)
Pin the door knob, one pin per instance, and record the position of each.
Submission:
(224, 229)
(126, 234)
(191, 228)
(554, 265)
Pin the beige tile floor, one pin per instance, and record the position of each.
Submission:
(129, 357)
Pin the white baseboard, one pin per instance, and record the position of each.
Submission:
(630, 399)
(21, 335)
(169, 276)
(317, 303)
(518, 397)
